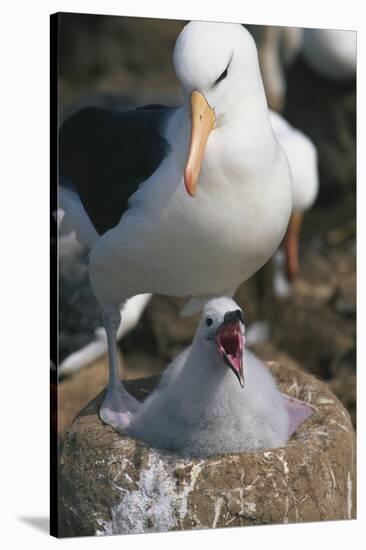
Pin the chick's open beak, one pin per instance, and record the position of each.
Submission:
(230, 343)
(202, 122)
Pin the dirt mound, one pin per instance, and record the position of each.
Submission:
(110, 484)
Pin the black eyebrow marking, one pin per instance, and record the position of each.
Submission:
(221, 77)
(224, 73)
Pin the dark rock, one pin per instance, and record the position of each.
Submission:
(105, 54)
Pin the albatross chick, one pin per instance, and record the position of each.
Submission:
(217, 397)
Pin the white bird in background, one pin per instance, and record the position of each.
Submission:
(331, 53)
(184, 202)
(303, 159)
(217, 397)
(278, 47)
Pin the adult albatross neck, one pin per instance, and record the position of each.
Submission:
(188, 201)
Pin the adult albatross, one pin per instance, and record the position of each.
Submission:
(183, 202)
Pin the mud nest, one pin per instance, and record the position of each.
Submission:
(111, 484)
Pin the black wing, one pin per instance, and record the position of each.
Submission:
(107, 154)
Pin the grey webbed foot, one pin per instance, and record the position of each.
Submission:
(298, 412)
(118, 407)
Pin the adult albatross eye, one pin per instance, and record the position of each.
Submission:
(209, 321)
(222, 76)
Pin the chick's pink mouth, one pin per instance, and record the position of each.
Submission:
(229, 342)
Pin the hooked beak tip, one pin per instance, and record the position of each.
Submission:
(189, 182)
(240, 373)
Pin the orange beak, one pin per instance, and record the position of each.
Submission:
(202, 122)
(291, 246)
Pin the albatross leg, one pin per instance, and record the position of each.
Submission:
(118, 405)
(291, 245)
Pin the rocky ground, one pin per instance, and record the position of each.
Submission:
(111, 61)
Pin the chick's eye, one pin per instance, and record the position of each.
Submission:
(209, 321)
(222, 76)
